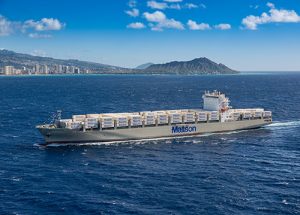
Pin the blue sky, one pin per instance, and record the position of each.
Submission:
(247, 35)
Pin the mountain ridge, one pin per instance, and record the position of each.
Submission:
(198, 66)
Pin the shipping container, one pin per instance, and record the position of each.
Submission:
(136, 120)
(258, 114)
(76, 125)
(175, 117)
(149, 119)
(107, 122)
(162, 119)
(65, 123)
(78, 118)
(267, 113)
(202, 116)
(247, 115)
(213, 115)
(92, 115)
(189, 117)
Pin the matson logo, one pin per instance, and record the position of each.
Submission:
(183, 129)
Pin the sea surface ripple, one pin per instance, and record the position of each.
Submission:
(247, 172)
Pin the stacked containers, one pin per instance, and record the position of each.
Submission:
(247, 115)
(65, 123)
(236, 115)
(92, 115)
(258, 114)
(267, 113)
(76, 125)
(135, 120)
(175, 117)
(162, 117)
(202, 116)
(107, 122)
(91, 123)
(78, 118)
(121, 120)
(214, 116)
(189, 117)
(149, 118)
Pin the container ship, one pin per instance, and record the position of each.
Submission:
(215, 116)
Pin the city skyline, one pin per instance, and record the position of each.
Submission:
(248, 36)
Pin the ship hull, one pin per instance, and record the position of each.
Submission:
(69, 136)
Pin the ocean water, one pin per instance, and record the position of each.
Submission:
(247, 172)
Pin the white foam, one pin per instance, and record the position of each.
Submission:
(288, 124)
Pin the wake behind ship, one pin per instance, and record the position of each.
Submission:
(216, 116)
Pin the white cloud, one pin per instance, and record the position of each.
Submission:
(173, 1)
(191, 5)
(40, 53)
(157, 16)
(254, 6)
(37, 35)
(274, 16)
(6, 26)
(270, 5)
(223, 26)
(45, 24)
(169, 23)
(195, 26)
(132, 3)
(134, 12)
(175, 6)
(157, 5)
(136, 25)
(159, 21)
(172, 4)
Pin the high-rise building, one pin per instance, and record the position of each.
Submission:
(72, 69)
(44, 69)
(77, 70)
(37, 69)
(9, 70)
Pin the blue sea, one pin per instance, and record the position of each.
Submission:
(245, 172)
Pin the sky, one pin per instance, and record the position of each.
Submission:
(246, 35)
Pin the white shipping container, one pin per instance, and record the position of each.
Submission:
(173, 111)
(107, 122)
(91, 120)
(76, 125)
(150, 122)
(91, 125)
(189, 117)
(258, 114)
(135, 120)
(247, 115)
(236, 115)
(214, 115)
(92, 115)
(78, 118)
(202, 116)
(122, 124)
(162, 118)
(121, 121)
(267, 113)
(147, 113)
(65, 123)
(175, 118)
(160, 112)
(149, 119)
